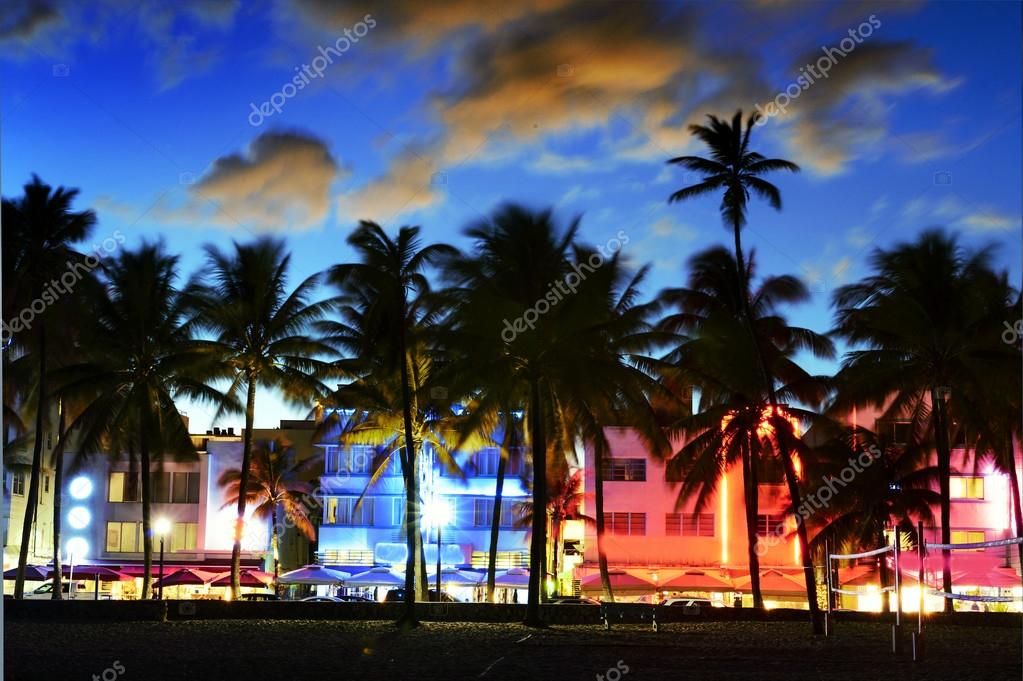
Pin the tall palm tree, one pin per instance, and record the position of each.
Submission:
(40, 229)
(735, 170)
(275, 484)
(260, 330)
(561, 363)
(715, 354)
(379, 299)
(928, 322)
(138, 355)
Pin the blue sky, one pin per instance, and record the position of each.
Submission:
(434, 116)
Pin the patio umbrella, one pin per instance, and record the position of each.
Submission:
(696, 580)
(773, 583)
(872, 577)
(186, 576)
(378, 576)
(33, 573)
(995, 578)
(253, 578)
(620, 581)
(313, 574)
(96, 572)
(515, 578)
(454, 577)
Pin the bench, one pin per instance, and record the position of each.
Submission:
(628, 613)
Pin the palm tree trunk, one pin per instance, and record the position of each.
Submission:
(37, 462)
(147, 526)
(408, 618)
(1017, 507)
(751, 488)
(243, 486)
(944, 452)
(422, 584)
(274, 544)
(58, 492)
(598, 497)
(792, 483)
(882, 571)
(538, 541)
(495, 527)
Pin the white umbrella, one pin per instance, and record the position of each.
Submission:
(313, 574)
(378, 576)
(515, 578)
(454, 577)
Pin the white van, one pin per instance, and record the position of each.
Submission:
(45, 592)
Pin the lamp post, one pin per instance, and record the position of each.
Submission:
(437, 512)
(162, 527)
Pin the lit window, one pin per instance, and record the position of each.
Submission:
(968, 537)
(123, 487)
(966, 487)
(689, 524)
(483, 513)
(342, 511)
(625, 470)
(124, 537)
(184, 536)
(770, 524)
(18, 484)
(624, 523)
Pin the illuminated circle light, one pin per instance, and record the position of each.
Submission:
(80, 487)
(79, 517)
(77, 548)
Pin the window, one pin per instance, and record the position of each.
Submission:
(18, 484)
(184, 536)
(397, 511)
(968, 537)
(124, 487)
(483, 513)
(342, 511)
(627, 470)
(966, 487)
(186, 488)
(160, 487)
(689, 524)
(624, 523)
(770, 524)
(124, 537)
(894, 432)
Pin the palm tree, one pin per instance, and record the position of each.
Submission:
(736, 170)
(138, 355)
(895, 489)
(379, 299)
(39, 231)
(562, 362)
(714, 353)
(260, 331)
(275, 484)
(928, 320)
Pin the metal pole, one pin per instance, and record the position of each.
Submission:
(161, 567)
(827, 567)
(897, 629)
(921, 552)
(438, 561)
(71, 577)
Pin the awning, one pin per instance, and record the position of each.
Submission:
(620, 582)
(696, 580)
(772, 583)
(313, 574)
(187, 576)
(379, 576)
(247, 578)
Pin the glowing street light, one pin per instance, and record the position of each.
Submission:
(437, 512)
(161, 527)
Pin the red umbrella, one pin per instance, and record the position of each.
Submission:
(696, 580)
(101, 572)
(772, 583)
(873, 577)
(33, 573)
(620, 581)
(186, 576)
(254, 578)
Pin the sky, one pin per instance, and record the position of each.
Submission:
(206, 122)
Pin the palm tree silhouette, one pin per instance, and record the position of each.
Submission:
(381, 293)
(39, 231)
(275, 483)
(260, 333)
(928, 321)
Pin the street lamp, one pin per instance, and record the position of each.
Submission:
(162, 527)
(437, 512)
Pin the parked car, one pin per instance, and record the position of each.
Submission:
(261, 596)
(355, 599)
(690, 604)
(398, 595)
(574, 600)
(321, 599)
(45, 592)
